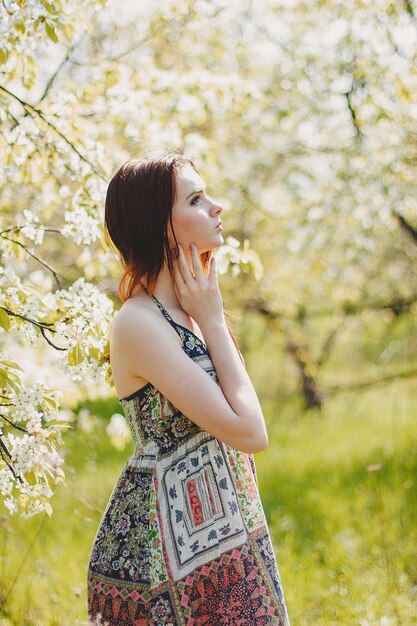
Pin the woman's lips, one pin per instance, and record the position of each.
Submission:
(219, 227)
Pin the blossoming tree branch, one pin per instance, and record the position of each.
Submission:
(53, 181)
(303, 125)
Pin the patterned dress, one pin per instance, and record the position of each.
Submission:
(183, 540)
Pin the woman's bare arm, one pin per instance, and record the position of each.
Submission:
(150, 350)
(199, 295)
(234, 379)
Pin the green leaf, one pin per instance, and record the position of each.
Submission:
(4, 55)
(19, 252)
(54, 404)
(20, 27)
(94, 352)
(7, 361)
(62, 426)
(12, 376)
(109, 377)
(106, 350)
(50, 31)
(16, 387)
(4, 376)
(31, 478)
(48, 508)
(75, 356)
(4, 320)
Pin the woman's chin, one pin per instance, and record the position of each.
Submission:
(218, 241)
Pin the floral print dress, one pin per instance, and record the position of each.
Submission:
(183, 540)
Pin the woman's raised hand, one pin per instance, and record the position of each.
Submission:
(199, 296)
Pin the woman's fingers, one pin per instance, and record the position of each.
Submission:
(177, 274)
(213, 271)
(184, 268)
(183, 274)
(198, 270)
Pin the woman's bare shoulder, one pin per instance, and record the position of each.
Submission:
(136, 316)
(130, 312)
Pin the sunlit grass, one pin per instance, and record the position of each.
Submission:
(339, 493)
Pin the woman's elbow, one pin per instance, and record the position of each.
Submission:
(255, 443)
(262, 444)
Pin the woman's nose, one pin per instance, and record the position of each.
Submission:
(218, 207)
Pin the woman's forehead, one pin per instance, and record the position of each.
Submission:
(189, 179)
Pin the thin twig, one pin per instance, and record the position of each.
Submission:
(3, 451)
(148, 37)
(397, 305)
(41, 226)
(42, 330)
(31, 109)
(53, 272)
(46, 325)
(54, 75)
(41, 325)
(370, 383)
(24, 430)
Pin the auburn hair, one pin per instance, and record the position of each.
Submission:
(138, 209)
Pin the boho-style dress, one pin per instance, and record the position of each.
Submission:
(183, 540)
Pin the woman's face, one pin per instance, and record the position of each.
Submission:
(195, 215)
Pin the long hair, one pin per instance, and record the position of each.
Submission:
(138, 209)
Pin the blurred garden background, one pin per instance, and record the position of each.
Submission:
(301, 115)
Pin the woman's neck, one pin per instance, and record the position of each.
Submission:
(164, 288)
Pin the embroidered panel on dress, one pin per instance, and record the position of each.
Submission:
(199, 510)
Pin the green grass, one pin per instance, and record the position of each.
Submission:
(344, 532)
(339, 492)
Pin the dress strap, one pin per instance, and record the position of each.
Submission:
(181, 330)
(161, 307)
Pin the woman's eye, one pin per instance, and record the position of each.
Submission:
(195, 198)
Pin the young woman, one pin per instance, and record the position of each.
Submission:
(183, 539)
